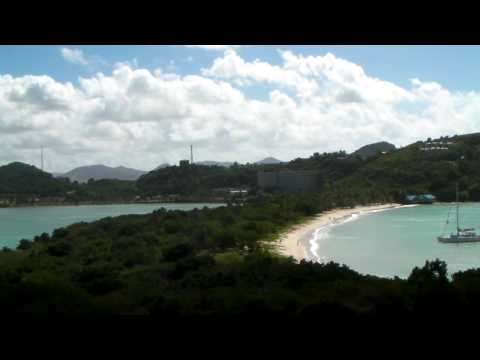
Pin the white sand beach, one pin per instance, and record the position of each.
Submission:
(295, 242)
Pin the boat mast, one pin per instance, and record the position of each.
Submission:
(458, 226)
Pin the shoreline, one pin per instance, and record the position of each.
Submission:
(295, 241)
(106, 203)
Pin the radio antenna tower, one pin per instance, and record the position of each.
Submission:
(191, 154)
(41, 158)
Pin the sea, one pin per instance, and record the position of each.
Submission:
(386, 243)
(18, 223)
(392, 242)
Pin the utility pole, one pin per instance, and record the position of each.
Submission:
(41, 158)
(191, 154)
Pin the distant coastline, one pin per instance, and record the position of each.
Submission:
(94, 203)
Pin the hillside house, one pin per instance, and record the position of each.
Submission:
(435, 145)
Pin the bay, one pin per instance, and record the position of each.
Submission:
(26, 222)
(392, 242)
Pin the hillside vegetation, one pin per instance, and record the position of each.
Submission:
(23, 179)
(222, 263)
(388, 176)
(371, 150)
(211, 264)
(412, 170)
(22, 182)
(197, 179)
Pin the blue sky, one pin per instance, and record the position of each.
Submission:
(243, 103)
(455, 67)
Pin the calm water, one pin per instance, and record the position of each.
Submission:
(393, 242)
(25, 223)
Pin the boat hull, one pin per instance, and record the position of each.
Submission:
(458, 240)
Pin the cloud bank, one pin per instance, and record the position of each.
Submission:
(141, 118)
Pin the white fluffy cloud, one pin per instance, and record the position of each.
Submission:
(74, 56)
(139, 118)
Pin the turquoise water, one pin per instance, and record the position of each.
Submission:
(392, 242)
(25, 223)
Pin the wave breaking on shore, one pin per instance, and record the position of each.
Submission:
(321, 233)
(303, 242)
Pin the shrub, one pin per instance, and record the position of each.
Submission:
(177, 251)
(60, 249)
(25, 244)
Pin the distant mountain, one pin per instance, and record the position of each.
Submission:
(214, 163)
(370, 150)
(97, 172)
(269, 160)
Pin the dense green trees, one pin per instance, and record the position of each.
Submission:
(214, 263)
(22, 179)
(383, 176)
(378, 177)
(103, 190)
(412, 170)
(196, 179)
(22, 183)
(222, 263)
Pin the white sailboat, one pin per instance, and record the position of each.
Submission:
(462, 235)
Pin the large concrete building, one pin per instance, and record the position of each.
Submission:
(288, 180)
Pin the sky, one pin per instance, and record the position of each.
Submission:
(141, 106)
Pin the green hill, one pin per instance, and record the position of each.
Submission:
(372, 173)
(21, 179)
(21, 182)
(370, 150)
(376, 172)
(432, 166)
(202, 179)
(104, 190)
(196, 179)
